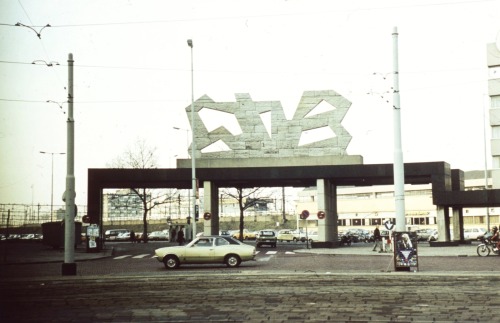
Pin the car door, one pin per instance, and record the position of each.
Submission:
(202, 251)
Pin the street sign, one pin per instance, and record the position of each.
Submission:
(389, 225)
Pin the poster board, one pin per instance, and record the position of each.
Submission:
(405, 251)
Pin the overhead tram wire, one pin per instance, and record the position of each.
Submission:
(270, 15)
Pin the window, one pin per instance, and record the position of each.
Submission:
(205, 242)
(221, 242)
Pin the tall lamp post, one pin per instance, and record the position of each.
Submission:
(399, 174)
(52, 182)
(193, 158)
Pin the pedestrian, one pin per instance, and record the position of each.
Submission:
(180, 237)
(378, 239)
(132, 236)
(172, 234)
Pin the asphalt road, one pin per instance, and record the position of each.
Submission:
(128, 258)
(280, 286)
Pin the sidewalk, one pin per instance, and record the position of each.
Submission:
(36, 252)
(424, 250)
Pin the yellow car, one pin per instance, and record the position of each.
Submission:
(247, 235)
(287, 235)
(207, 250)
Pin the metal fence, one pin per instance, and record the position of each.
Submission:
(19, 215)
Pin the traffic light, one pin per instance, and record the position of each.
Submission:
(196, 213)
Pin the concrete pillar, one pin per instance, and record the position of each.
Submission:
(327, 202)
(443, 222)
(211, 205)
(458, 224)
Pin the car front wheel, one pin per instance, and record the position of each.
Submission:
(171, 262)
(233, 261)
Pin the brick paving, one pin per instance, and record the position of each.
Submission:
(266, 297)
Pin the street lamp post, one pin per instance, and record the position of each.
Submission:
(52, 182)
(193, 158)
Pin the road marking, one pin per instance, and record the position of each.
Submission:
(141, 256)
(269, 255)
(264, 259)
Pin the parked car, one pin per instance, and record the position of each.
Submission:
(247, 235)
(299, 235)
(286, 235)
(122, 236)
(433, 236)
(474, 233)
(206, 250)
(312, 236)
(158, 235)
(112, 234)
(424, 234)
(266, 237)
(225, 233)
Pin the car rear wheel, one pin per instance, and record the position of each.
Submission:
(171, 262)
(232, 261)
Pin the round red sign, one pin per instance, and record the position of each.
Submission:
(207, 215)
(321, 215)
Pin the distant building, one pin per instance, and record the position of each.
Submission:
(121, 205)
(367, 206)
(493, 61)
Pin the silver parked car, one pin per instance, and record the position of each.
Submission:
(207, 250)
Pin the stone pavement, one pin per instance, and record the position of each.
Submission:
(234, 296)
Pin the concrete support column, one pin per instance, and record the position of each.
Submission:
(458, 224)
(327, 202)
(211, 205)
(443, 222)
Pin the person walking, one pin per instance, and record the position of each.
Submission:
(132, 236)
(180, 237)
(378, 239)
(172, 235)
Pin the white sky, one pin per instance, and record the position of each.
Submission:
(133, 81)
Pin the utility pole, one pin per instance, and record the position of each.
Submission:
(69, 265)
(399, 174)
(193, 148)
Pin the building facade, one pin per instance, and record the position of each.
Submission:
(369, 206)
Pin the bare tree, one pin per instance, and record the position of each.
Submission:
(247, 198)
(142, 156)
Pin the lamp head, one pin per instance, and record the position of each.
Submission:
(190, 43)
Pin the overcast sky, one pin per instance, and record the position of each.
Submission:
(132, 76)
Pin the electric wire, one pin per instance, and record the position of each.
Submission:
(270, 15)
